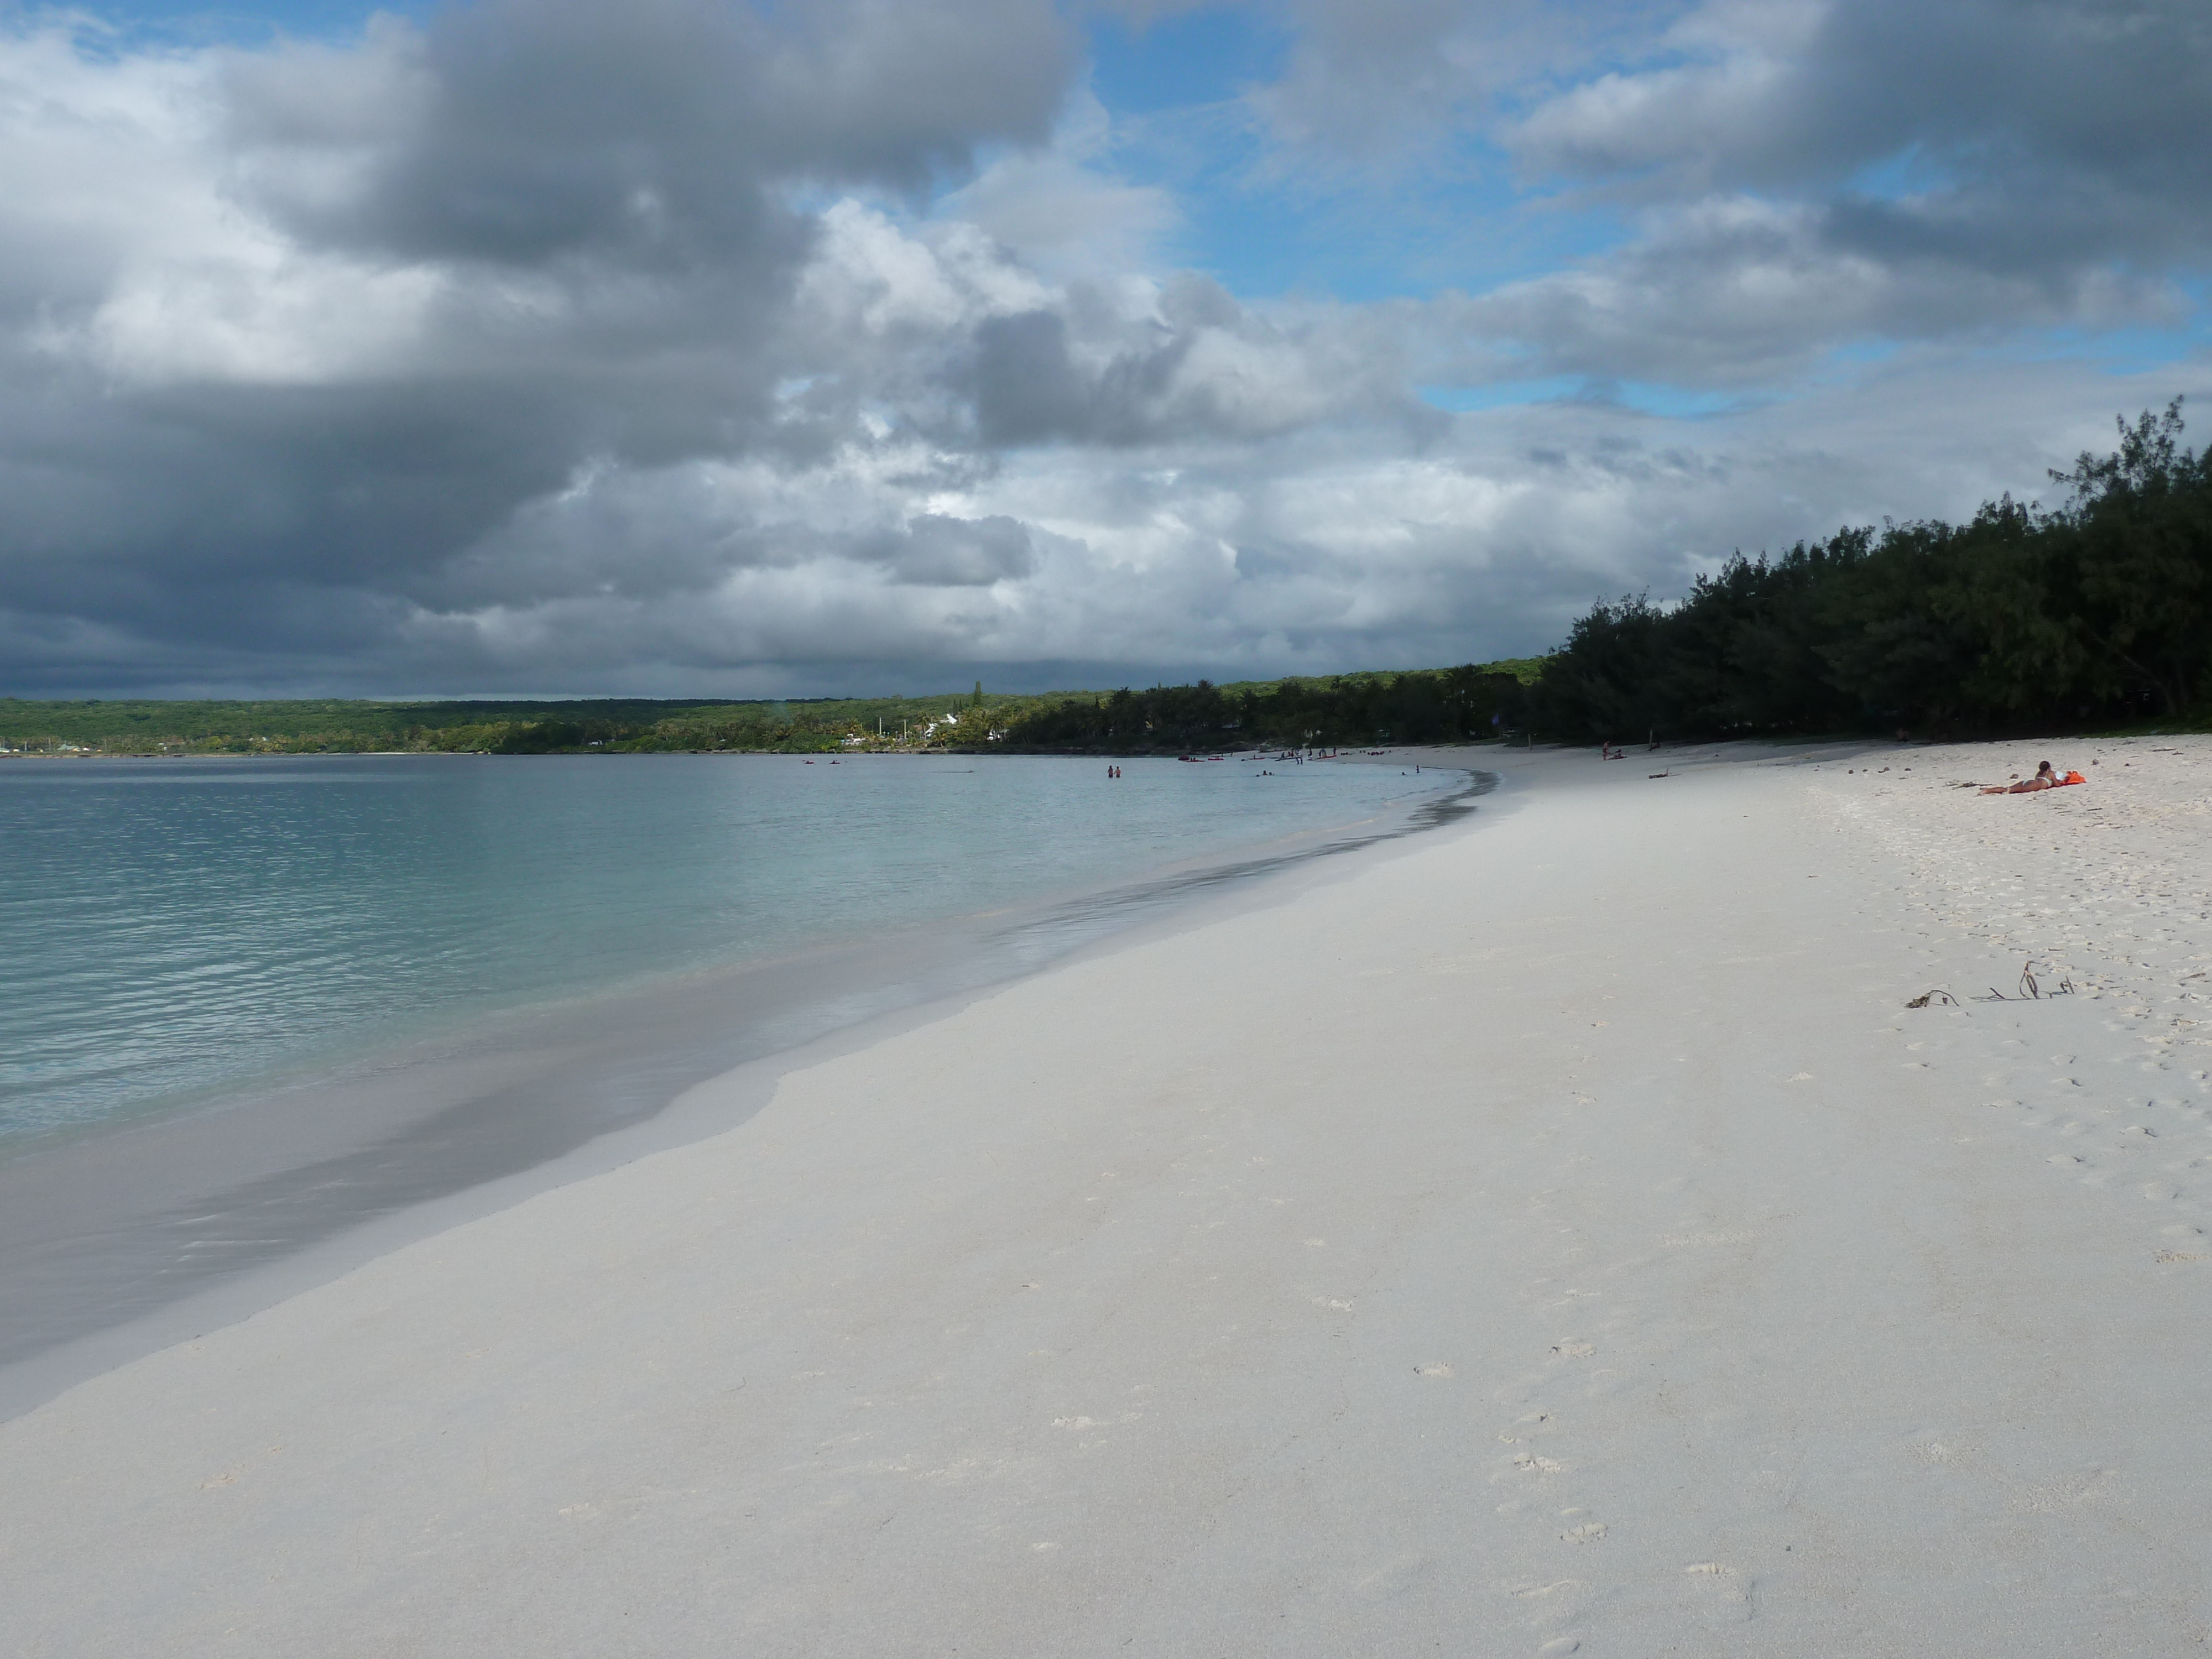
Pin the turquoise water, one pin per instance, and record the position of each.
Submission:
(172, 931)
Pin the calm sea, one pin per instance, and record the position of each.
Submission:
(173, 931)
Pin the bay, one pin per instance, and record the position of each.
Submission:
(173, 932)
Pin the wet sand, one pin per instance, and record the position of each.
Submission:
(1553, 1234)
(117, 1243)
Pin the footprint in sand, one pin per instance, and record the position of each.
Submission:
(1394, 1578)
(1728, 1597)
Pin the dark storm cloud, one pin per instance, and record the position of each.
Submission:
(523, 131)
(942, 552)
(563, 346)
(1822, 172)
(591, 206)
(2028, 99)
(1898, 170)
(2061, 107)
(1194, 366)
(1738, 293)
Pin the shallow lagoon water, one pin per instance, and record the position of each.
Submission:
(259, 1006)
(173, 930)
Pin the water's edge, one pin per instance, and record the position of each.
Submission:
(100, 1237)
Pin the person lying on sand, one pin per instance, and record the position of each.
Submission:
(2044, 777)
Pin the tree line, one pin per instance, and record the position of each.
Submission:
(1445, 705)
(339, 725)
(2098, 611)
(1421, 706)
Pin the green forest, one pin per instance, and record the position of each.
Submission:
(2094, 614)
(2022, 619)
(1442, 705)
(1425, 705)
(520, 727)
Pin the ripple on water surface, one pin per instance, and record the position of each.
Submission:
(171, 930)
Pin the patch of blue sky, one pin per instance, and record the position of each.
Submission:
(1266, 224)
(1209, 56)
(1415, 243)
(1651, 397)
(1842, 364)
(1501, 394)
(1912, 172)
(1264, 227)
(189, 23)
(2133, 350)
(2118, 352)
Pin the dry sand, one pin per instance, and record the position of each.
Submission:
(1553, 1234)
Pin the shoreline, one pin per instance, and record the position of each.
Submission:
(1553, 1235)
(122, 1238)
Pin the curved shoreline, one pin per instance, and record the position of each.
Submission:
(1578, 1233)
(121, 1241)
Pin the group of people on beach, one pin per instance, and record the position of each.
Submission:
(2046, 777)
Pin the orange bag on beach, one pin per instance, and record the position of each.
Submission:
(2073, 777)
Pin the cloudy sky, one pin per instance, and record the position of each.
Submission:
(700, 347)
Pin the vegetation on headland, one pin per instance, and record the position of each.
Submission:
(1443, 705)
(1426, 705)
(2096, 613)
(534, 727)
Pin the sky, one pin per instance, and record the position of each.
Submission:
(701, 348)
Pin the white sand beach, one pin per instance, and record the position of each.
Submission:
(1551, 1234)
